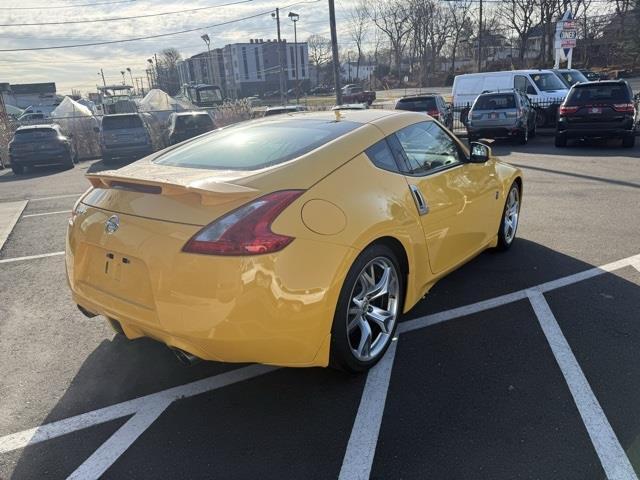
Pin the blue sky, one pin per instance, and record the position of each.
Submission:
(78, 67)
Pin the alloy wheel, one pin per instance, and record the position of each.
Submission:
(373, 309)
(511, 213)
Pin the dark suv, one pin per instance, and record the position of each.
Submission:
(431, 104)
(598, 110)
(40, 145)
(186, 125)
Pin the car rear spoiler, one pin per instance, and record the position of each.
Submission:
(211, 190)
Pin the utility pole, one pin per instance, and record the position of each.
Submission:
(294, 17)
(480, 40)
(334, 51)
(280, 57)
(104, 82)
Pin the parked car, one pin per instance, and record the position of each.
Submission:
(284, 109)
(603, 109)
(300, 240)
(545, 90)
(570, 76)
(356, 94)
(499, 115)
(431, 104)
(124, 137)
(591, 76)
(185, 125)
(37, 145)
(320, 91)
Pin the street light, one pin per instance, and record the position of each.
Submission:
(207, 40)
(283, 83)
(130, 75)
(154, 75)
(123, 80)
(294, 17)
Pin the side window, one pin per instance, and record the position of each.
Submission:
(522, 83)
(382, 156)
(426, 147)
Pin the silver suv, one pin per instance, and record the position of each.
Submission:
(502, 114)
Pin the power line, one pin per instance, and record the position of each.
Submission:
(160, 35)
(115, 19)
(49, 7)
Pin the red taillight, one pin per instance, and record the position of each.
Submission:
(624, 107)
(246, 230)
(433, 113)
(568, 110)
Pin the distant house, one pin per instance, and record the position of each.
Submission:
(29, 94)
(350, 72)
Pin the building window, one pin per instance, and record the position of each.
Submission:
(302, 60)
(244, 63)
(258, 70)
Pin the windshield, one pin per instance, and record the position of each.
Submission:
(255, 146)
(121, 121)
(547, 82)
(598, 93)
(495, 102)
(209, 95)
(417, 104)
(193, 121)
(572, 77)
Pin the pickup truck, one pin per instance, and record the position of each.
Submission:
(355, 94)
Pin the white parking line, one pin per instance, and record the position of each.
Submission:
(612, 456)
(361, 448)
(100, 460)
(30, 257)
(45, 213)
(55, 197)
(9, 215)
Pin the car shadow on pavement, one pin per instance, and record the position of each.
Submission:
(120, 370)
(100, 166)
(544, 145)
(33, 172)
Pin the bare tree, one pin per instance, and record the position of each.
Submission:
(431, 31)
(460, 23)
(319, 52)
(168, 70)
(392, 17)
(520, 15)
(358, 27)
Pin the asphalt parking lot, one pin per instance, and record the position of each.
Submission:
(523, 364)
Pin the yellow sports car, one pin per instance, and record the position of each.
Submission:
(293, 240)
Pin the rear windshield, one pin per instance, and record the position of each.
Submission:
(35, 133)
(495, 102)
(585, 94)
(121, 122)
(547, 82)
(256, 145)
(417, 104)
(193, 121)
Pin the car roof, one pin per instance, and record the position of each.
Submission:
(419, 95)
(601, 82)
(122, 115)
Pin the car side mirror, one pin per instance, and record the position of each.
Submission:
(96, 129)
(480, 153)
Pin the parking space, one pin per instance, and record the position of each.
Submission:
(518, 365)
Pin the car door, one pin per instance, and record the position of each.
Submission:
(456, 199)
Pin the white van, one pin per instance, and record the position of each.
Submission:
(541, 86)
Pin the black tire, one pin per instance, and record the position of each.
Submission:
(342, 357)
(629, 141)
(68, 164)
(561, 141)
(523, 138)
(17, 169)
(533, 132)
(505, 241)
(76, 159)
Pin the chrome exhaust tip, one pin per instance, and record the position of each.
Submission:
(185, 358)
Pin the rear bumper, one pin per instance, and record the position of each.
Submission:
(39, 158)
(577, 130)
(266, 309)
(129, 152)
(495, 132)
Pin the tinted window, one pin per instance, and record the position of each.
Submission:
(193, 121)
(256, 145)
(585, 94)
(547, 81)
(417, 104)
(382, 156)
(495, 102)
(427, 148)
(121, 122)
(35, 134)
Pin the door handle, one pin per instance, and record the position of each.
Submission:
(421, 203)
